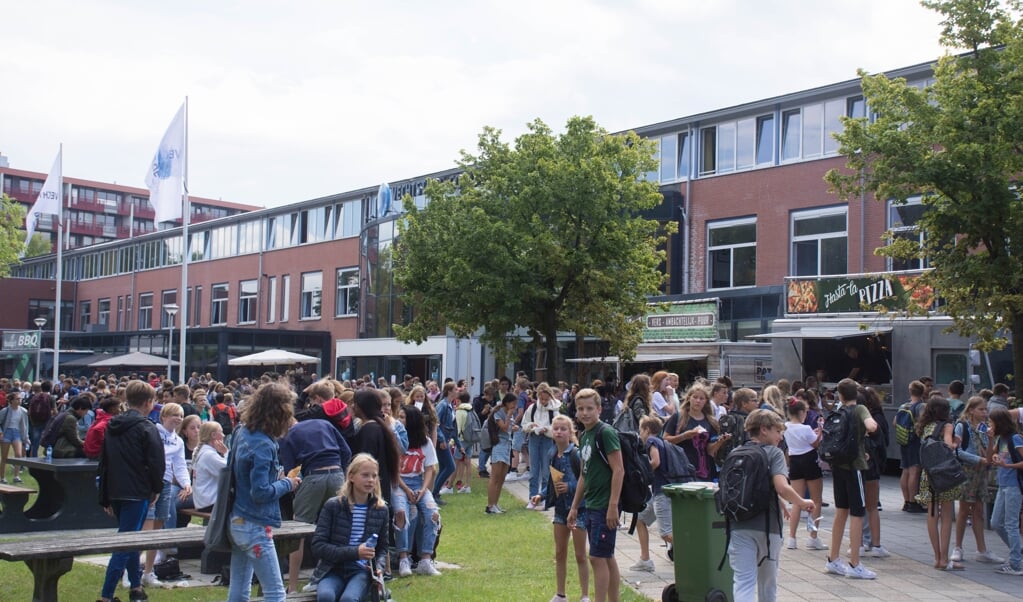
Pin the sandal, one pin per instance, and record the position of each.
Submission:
(952, 566)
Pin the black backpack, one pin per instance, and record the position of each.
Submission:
(840, 443)
(733, 423)
(51, 433)
(40, 408)
(745, 490)
(677, 467)
(639, 476)
(944, 472)
(876, 443)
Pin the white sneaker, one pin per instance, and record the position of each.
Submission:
(559, 598)
(124, 580)
(790, 543)
(446, 490)
(584, 599)
(860, 572)
(530, 506)
(405, 567)
(425, 567)
(310, 587)
(525, 475)
(815, 543)
(646, 566)
(989, 557)
(880, 552)
(150, 580)
(837, 567)
(1006, 569)
(956, 555)
(465, 489)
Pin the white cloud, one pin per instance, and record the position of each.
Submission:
(291, 100)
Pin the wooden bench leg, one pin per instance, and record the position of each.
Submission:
(45, 574)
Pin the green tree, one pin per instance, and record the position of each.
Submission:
(545, 237)
(12, 237)
(39, 245)
(957, 143)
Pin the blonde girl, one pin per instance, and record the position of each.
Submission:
(347, 523)
(560, 492)
(695, 429)
(971, 435)
(804, 472)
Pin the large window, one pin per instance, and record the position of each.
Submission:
(312, 293)
(347, 300)
(167, 298)
(903, 222)
(218, 305)
(247, 296)
(103, 312)
(271, 302)
(285, 297)
(808, 132)
(737, 145)
(732, 253)
(85, 314)
(348, 219)
(146, 311)
(819, 242)
(197, 307)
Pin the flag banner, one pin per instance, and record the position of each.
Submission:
(165, 175)
(48, 200)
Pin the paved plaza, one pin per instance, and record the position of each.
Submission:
(907, 575)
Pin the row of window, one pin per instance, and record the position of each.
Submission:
(346, 302)
(819, 244)
(801, 133)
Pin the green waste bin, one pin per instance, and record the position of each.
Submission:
(699, 544)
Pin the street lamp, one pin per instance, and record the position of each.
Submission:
(40, 322)
(172, 310)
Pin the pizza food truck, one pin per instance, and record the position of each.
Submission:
(830, 332)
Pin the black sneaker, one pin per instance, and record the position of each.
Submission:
(905, 506)
(484, 474)
(916, 508)
(138, 595)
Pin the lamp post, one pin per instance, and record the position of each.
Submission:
(40, 322)
(172, 310)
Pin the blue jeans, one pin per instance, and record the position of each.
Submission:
(540, 449)
(445, 469)
(1005, 521)
(422, 525)
(35, 433)
(484, 456)
(252, 549)
(745, 551)
(130, 516)
(349, 584)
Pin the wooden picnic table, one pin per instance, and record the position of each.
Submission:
(51, 557)
(68, 498)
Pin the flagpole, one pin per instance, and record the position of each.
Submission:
(186, 214)
(60, 267)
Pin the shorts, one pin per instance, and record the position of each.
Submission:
(601, 539)
(805, 467)
(313, 493)
(562, 519)
(501, 453)
(975, 489)
(518, 440)
(848, 489)
(871, 472)
(11, 435)
(910, 454)
(161, 509)
(659, 510)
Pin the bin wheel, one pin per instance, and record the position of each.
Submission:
(670, 594)
(716, 595)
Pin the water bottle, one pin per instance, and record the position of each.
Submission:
(370, 543)
(49, 453)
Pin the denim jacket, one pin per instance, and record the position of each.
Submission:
(565, 463)
(259, 481)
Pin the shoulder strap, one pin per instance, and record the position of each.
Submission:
(573, 461)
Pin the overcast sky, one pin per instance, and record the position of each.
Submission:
(294, 100)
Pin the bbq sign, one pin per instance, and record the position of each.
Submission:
(857, 294)
(684, 321)
(21, 341)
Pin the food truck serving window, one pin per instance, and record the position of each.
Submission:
(834, 353)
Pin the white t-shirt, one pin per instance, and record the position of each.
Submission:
(415, 461)
(660, 404)
(800, 438)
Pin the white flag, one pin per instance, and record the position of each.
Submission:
(48, 200)
(165, 175)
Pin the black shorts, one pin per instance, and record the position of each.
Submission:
(805, 467)
(910, 454)
(872, 472)
(848, 489)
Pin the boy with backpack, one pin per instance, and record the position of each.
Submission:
(753, 537)
(670, 465)
(744, 401)
(600, 485)
(909, 446)
(844, 428)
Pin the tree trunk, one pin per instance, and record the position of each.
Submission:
(1016, 324)
(550, 339)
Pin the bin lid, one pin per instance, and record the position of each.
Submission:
(694, 490)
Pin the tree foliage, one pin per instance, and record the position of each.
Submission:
(545, 237)
(12, 237)
(959, 145)
(39, 245)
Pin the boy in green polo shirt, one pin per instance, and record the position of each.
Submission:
(599, 486)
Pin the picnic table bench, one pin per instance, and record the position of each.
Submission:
(51, 557)
(67, 498)
(13, 498)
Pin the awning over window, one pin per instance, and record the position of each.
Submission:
(823, 332)
(641, 358)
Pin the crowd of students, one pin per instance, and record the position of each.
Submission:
(343, 454)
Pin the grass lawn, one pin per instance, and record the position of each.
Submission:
(507, 557)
